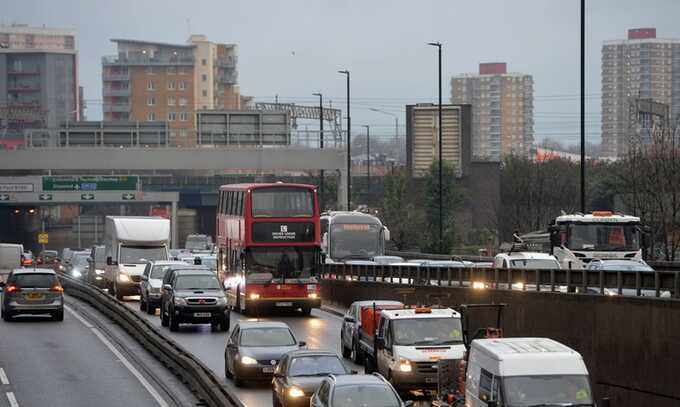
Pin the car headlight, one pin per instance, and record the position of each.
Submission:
(76, 273)
(295, 392)
(518, 286)
(247, 360)
(313, 296)
(124, 278)
(61, 267)
(478, 285)
(99, 271)
(405, 366)
(254, 296)
(221, 301)
(610, 293)
(180, 301)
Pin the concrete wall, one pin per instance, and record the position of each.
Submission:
(631, 345)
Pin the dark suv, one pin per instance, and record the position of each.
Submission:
(193, 295)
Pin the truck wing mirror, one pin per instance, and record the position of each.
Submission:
(350, 319)
(110, 261)
(555, 238)
(167, 287)
(386, 233)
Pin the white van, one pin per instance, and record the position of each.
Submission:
(10, 258)
(525, 372)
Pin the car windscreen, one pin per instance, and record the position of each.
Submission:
(197, 243)
(631, 266)
(550, 390)
(36, 280)
(142, 254)
(267, 337)
(282, 203)
(197, 282)
(427, 331)
(79, 261)
(158, 272)
(534, 264)
(316, 366)
(99, 257)
(363, 395)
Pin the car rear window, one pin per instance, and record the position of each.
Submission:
(34, 280)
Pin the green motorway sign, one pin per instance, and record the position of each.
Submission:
(90, 183)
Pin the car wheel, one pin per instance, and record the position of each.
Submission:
(7, 316)
(224, 323)
(238, 302)
(306, 310)
(174, 324)
(118, 294)
(164, 318)
(227, 372)
(143, 306)
(346, 353)
(109, 288)
(58, 316)
(150, 309)
(275, 400)
(237, 380)
(357, 354)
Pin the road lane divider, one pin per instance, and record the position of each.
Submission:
(3, 377)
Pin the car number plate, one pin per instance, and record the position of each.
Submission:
(268, 369)
(284, 304)
(34, 296)
(430, 380)
(202, 314)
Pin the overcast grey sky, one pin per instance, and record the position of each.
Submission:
(294, 48)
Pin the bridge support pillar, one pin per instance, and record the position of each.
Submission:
(342, 191)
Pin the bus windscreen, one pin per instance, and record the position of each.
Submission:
(280, 263)
(282, 203)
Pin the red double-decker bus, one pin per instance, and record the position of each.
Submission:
(269, 246)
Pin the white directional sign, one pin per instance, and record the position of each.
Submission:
(7, 187)
(4, 197)
(45, 197)
(129, 196)
(87, 197)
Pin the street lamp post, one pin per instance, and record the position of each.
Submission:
(441, 203)
(396, 128)
(368, 165)
(349, 146)
(321, 191)
(583, 107)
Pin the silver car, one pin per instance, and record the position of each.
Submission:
(31, 292)
(152, 281)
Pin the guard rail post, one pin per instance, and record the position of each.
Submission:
(601, 276)
(538, 280)
(638, 283)
(657, 284)
(552, 280)
(619, 282)
(676, 285)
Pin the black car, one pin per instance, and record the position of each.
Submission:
(255, 347)
(356, 390)
(193, 296)
(299, 373)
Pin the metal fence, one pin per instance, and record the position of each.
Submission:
(659, 284)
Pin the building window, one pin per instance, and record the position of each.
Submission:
(149, 70)
(204, 93)
(171, 70)
(204, 62)
(171, 101)
(204, 77)
(182, 101)
(171, 85)
(180, 70)
(172, 116)
(182, 85)
(151, 101)
(151, 116)
(183, 116)
(183, 133)
(150, 85)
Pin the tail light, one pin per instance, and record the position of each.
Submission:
(12, 289)
(57, 288)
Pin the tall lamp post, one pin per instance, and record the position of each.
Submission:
(396, 128)
(368, 164)
(441, 203)
(321, 191)
(583, 106)
(349, 146)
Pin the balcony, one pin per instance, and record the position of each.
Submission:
(24, 71)
(116, 76)
(116, 92)
(228, 78)
(122, 60)
(117, 108)
(226, 62)
(23, 88)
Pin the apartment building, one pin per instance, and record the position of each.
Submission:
(38, 79)
(153, 81)
(637, 71)
(502, 110)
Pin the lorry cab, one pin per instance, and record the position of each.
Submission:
(410, 343)
(509, 372)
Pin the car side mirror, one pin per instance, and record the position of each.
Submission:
(350, 320)
(302, 344)
(144, 278)
(167, 287)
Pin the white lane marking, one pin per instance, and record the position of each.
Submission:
(12, 400)
(161, 402)
(3, 376)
